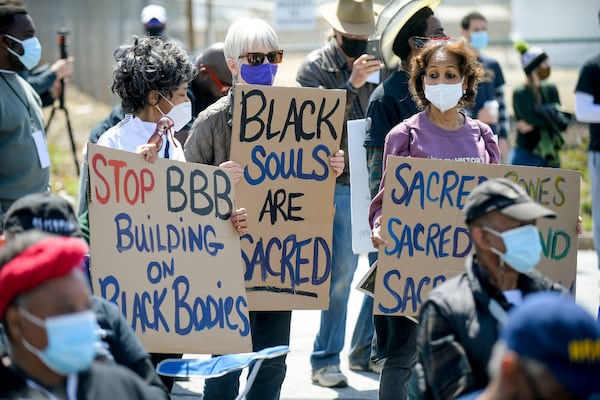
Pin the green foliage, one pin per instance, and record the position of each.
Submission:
(574, 157)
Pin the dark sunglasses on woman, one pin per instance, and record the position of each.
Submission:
(257, 58)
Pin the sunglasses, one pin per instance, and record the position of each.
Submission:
(163, 126)
(223, 88)
(255, 58)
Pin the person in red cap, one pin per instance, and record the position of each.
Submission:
(51, 331)
(52, 214)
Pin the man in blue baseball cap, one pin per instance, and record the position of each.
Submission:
(548, 349)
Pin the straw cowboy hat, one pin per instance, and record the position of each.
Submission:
(392, 19)
(351, 17)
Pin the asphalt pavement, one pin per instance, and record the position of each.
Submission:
(363, 386)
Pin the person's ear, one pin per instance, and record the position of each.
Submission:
(510, 372)
(12, 323)
(233, 67)
(153, 97)
(480, 238)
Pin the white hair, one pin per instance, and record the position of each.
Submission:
(245, 34)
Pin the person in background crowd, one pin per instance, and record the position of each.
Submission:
(548, 349)
(212, 80)
(411, 25)
(490, 105)
(53, 214)
(459, 319)
(25, 162)
(50, 329)
(536, 104)
(45, 79)
(587, 109)
(154, 19)
(342, 63)
(443, 80)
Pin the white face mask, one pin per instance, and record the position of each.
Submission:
(444, 96)
(181, 113)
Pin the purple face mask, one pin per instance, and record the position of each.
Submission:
(263, 74)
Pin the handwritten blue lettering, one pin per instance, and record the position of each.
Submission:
(408, 296)
(286, 164)
(286, 259)
(435, 240)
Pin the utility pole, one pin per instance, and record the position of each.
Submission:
(190, 23)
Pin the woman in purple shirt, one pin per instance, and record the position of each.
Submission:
(443, 81)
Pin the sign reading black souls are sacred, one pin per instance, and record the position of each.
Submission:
(283, 139)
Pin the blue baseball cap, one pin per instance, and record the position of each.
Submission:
(553, 330)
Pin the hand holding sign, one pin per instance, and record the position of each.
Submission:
(337, 162)
(235, 169)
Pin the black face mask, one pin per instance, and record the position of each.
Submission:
(154, 31)
(353, 47)
(543, 73)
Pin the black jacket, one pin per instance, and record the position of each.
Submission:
(99, 382)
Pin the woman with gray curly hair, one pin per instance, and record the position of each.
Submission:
(151, 78)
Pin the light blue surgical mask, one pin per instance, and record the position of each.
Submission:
(479, 39)
(72, 341)
(32, 51)
(523, 247)
(263, 74)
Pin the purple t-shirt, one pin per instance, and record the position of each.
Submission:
(418, 137)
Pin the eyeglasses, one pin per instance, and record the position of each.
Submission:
(163, 126)
(255, 58)
(222, 87)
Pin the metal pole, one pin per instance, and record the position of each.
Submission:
(209, 37)
(190, 21)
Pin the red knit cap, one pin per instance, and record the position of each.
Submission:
(46, 260)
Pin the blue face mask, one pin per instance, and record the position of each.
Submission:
(523, 247)
(479, 39)
(72, 341)
(32, 51)
(263, 74)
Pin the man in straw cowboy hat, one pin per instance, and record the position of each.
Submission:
(342, 63)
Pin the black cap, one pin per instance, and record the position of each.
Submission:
(501, 194)
(43, 211)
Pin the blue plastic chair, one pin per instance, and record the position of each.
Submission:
(221, 365)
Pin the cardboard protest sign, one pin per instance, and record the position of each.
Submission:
(283, 139)
(360, 196)
(428, 240)
(164, 250)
